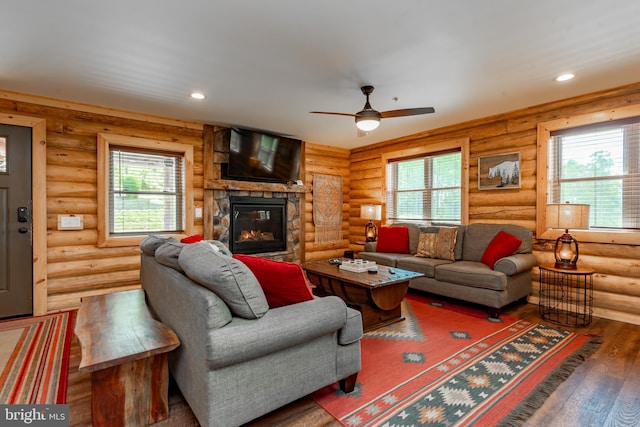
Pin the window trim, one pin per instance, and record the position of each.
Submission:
(544, 133)
(461, 144)
(105, 141)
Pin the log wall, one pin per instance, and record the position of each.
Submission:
(617, 277)
(326, 160)
(76, 267)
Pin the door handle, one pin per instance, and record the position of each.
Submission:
(23, 214)
(23, 230)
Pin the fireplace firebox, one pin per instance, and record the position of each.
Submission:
(257, 225)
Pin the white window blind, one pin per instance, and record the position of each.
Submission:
(425, 189)
(599, 165)
(145, 191)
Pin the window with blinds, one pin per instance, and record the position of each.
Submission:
(145, 191)
(598, 165)
(425, 189)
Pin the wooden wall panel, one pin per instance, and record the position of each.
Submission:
(326, 160)
(76, 267)
(617, 278)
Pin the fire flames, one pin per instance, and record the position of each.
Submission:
(255, 235)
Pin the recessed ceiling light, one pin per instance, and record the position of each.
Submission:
(197, 95)
(564, 77)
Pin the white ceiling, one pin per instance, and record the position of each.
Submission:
(266, 64)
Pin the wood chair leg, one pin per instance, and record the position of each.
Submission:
(348, 384)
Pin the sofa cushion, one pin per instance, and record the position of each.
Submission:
(228, 278)
(168, 253)
(478, 236)
(427, 246)
(152, 242)
(470, 273)
(502, 245)
(283, 282)
(388, 259)
(220, 247)
(457, 250)
(393, 239)
(281, 328)
(414, 234)
(446, 243)
(422, 265)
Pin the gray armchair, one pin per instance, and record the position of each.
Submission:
(232, 370)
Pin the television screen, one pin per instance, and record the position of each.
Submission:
(259, 156)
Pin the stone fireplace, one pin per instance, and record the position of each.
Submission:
(219, 193)
(257, 225)
(291, 202)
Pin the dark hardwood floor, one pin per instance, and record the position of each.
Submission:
(603, 391)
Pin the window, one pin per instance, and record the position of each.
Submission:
(595, 160)
(145, 192)
(428, 184)
(145, 187)
(599, 166)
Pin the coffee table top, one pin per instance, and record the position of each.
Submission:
(382, 278)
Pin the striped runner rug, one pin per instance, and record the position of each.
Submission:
(34, 360)
(451, 365)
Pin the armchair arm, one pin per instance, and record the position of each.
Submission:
(514, 264)
(371, 247)
(279, 328)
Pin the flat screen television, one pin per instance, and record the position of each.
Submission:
(260, 156)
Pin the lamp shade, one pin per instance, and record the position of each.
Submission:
(568, 216)
(371, 212)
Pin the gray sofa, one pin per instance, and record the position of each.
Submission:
(231, 369)
(467, 278)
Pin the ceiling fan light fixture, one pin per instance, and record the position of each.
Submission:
(367, 119)
(367, 124)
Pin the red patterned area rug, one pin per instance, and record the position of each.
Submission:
(35, 359)
(451, 365)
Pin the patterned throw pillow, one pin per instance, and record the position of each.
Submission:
(446, 243)
(427, 245)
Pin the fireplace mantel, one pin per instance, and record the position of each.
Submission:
(226, 184)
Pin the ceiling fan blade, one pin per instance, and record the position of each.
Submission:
(332, 113)
(407, 112)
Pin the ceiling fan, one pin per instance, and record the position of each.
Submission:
(368, 119)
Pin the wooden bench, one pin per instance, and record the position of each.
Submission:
(125, 350)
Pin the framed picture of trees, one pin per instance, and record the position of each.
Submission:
(499, 171)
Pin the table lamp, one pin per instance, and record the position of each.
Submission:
(567, 216)
(371, 212)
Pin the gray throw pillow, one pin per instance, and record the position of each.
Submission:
(223, 249)
(227, 277)
(152, 242)
(168, 253)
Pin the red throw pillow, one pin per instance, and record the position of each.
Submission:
(394, 238)
(502, 245)
(283, 282)
(191, 239)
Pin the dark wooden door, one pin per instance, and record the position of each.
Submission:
(16, 254)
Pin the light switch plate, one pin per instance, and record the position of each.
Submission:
(70, 222)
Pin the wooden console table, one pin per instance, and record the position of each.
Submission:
(377, 297)
(125, 350)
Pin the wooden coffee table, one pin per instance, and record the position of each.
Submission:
(377, 296)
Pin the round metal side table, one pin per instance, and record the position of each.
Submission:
(566, 296)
